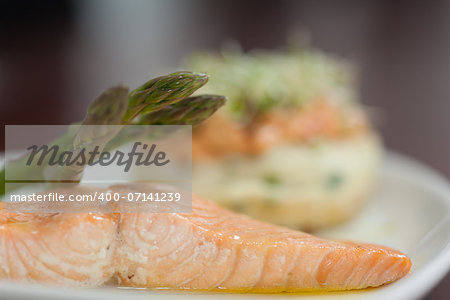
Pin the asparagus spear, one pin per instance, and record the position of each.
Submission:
(166, 94)
(110, 109)
(163, 91)
(190, 111)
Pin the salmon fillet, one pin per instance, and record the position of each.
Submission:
(209, 249)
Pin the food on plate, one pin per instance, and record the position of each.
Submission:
(293, 146)
(211, 248)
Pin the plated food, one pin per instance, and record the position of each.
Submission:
(293, 146)
(209, 249)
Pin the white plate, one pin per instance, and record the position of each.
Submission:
(410, 211)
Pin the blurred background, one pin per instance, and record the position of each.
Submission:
(56, 56)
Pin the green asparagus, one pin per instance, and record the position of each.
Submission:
(160, 101)
(161, 92)
(190, 111)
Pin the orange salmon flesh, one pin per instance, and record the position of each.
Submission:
(209, 249)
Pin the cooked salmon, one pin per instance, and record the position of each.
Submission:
(208, 249)
(213, 248)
